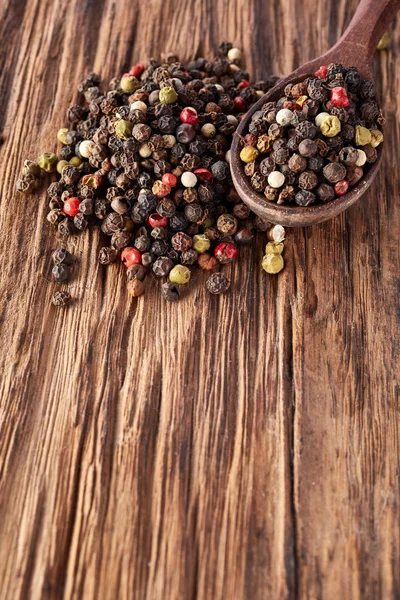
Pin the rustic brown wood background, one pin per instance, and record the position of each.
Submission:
(242, 447)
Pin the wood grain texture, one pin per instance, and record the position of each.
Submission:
(244, 447)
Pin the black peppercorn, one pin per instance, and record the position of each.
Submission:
(60, 272)
(304, 198)
(218, 283)
(170, 291)
(61, 298)
(107, 255)
(61, 255)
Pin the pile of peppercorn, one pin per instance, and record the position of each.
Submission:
(148, 161)
(315, 142)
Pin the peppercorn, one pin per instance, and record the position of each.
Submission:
(170, 292)
(48, 162)
(123, 129)
(129, 84)
(363, 136)
(334, 172)
(201, 243)
(330, 126)
(162, 266)
(131, 256)
(61, 298)
(325, 192)
(218, 283)
(274, 248)
(207, 262)
(135, 287)
(66, 227)
(227, 224)
(308, 180)
(136, 272)
(107, 255)
(225, 252)
(168, 95)
(273, 263)
(61, 256)
(181, 241)
(304, 198)
(60, 272)
(376, 137)
(248, 154)
(179, 274)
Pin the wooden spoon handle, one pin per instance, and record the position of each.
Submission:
(358, 43)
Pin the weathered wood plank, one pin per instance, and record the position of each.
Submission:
(237, 447)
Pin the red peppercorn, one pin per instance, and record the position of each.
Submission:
(203, 174)
(250, 139)
(292, 105)
(240, 104)
(339, 97)
(71, 206)
(243, 84)
(131, 256)
(169, 179)
(341, 187)
(136, 70)
(322, 72)
(156, 220)
(189, 115)
(225, 252)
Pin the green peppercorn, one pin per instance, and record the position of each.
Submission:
(179, 275)
(330, 126)
(60, 166)
(123, 129)
(75, 161)
(62, 134)
(48, 162)
(274, 248)
(248, 154)
(201, 243)
(376, 137)
(129, 84)
(272, 263)
(363, 136)
(168, 95)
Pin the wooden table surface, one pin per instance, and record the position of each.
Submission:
(238, 447)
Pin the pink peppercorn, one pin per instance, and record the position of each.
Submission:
(169, 179)
(156, 220)
(189, 115)
(322, 72)
(250, 140)
(71, 206)
(243, 84)
(131, 256)
(203, 174)
(136, 70)
(339, 97)
(225, 252)
(240, 104)
(160, 189)
(341, 187)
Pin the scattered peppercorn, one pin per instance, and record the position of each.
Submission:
(218, 283)
(61, 298)
(148, 162)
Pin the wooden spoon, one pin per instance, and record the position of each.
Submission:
(355, 48)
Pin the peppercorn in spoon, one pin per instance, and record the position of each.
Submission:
(355, 48)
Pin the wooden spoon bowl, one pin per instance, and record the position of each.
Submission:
(355, 48)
